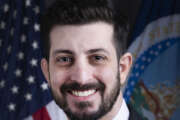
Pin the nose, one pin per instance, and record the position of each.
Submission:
(81, 73)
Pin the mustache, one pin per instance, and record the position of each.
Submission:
(76, 86)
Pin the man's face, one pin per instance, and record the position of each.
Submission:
(83, 70)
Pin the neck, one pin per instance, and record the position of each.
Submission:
(115, 109)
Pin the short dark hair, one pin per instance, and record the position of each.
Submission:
(79, 12)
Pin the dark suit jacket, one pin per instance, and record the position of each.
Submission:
(133, 114)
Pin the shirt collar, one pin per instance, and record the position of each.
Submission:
(123, 113)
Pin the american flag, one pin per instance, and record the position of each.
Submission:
(24, 93)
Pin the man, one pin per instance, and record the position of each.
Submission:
(85, 64)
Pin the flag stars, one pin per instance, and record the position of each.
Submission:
(143, 58)
(0, 42)
(33, 62)
(20, 55)
(28, 3)
(6, 8)
(159, 47)
(168, 44)
(132, 83)
(149, 60)
(28, 97)
(9, 49)
(23, 38)
(44, 86)
(156, 53)
(25, 21)
(12, 31)
(142, 67)
(36, 10)
(131, 75)
(2, 84)
(15, 14)
(15, 89)
(3, 25)
(35, 45)
(151, 52)
(36, 27)
(5, 66)
(137, 74)
(18, 73)
(12, 107)
(128, 93)
(136, 66)
(31, 79)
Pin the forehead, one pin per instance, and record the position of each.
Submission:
(79, 38)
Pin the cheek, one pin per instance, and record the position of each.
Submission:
(107, 76)
(57, 78)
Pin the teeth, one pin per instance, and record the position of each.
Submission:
(83, 93)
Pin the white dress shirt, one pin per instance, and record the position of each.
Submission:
(123, 113)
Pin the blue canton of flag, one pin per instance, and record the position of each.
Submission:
(23, 89)
(154, 80)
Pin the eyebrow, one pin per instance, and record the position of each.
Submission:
(62, 51)
(97, 50)
(72, 53)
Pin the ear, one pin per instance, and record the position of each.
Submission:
(45, 69)
(124, 67)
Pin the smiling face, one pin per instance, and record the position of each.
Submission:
(83, 71)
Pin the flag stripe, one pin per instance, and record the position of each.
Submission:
(55, 112)
(41, 114)
(28, 118)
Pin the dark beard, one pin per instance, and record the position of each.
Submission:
(105, 106)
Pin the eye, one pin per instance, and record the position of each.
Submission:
(98, 59)
(64, 60)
